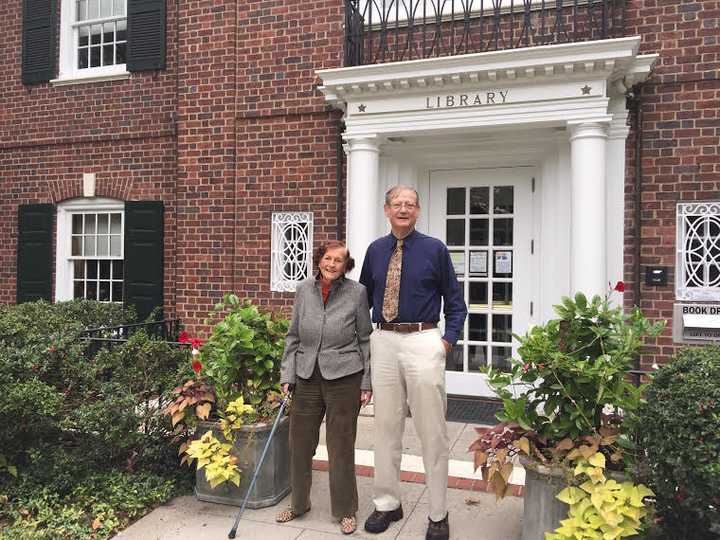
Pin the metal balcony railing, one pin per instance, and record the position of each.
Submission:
(379, 31)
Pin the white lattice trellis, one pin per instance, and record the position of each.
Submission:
(698, 251)
(292, 234)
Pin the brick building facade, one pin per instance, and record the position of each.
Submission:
(237, 125)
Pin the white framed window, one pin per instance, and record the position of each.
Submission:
(93, 38)
(90, 250)
(291, 257)
(698, 251)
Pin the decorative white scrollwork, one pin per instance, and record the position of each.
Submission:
(698, 251)
(292, 234)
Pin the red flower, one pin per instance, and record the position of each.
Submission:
(196, 343)
(620, 287)
(196, 366)
(183, 337)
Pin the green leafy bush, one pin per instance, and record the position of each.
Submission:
(679, 428)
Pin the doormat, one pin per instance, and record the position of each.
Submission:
(472, 411)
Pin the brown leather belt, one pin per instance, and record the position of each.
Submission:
(406, 327)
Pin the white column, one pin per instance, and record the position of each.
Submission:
(363, 198)
(615, 194)
(588, 141)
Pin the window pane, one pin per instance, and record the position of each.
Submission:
(117, 291)
(121, 30)
(115, 223)
(108, 58)
(503, 200)
(117, 270)
(456, 201)
(502, 328)
(478, 232)
(83, 36)
(95, 34)
(94, 56)
(120, 53)
(479, 200)
(77, 223)
(106, 8)
(503, 232)
(91, 290)
(104, 269)
(83, 58)
(478, 295)
(81, 10)
(92, 269)
(93, 9)
(78, 269)
(76, 249)
(477, 327)
(477, 357)
(502, 263)
(90, 223)
(79, 289)
(502, 295)
(108, 32)
(501, 357)
(454, 360)
(89, 246)
(115, 246)
(455, 232)
(119, 7)
(104, 293)
(458, 261)
(103, 223)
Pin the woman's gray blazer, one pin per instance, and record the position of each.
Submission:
(336, 335)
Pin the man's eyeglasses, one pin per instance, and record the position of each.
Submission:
(397, 206)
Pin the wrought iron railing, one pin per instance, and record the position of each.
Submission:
(379, 31)
(110, 336)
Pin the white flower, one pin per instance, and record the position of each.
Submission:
(195, 352)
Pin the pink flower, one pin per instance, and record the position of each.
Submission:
(620, 287)
(526, 368)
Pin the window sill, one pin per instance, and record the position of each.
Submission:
(79, 79)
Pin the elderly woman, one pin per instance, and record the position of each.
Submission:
(327, 361)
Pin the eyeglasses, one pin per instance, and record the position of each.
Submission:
(397, 206)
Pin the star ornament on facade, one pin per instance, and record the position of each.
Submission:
(586, 90)
(362, 107)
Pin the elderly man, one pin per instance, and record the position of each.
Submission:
(407, 274)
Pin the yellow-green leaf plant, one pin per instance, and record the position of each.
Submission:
(216, 458)
(600, 508)
(233, 418)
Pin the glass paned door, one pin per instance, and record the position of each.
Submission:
(484, 217)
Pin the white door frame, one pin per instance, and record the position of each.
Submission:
(523, 262)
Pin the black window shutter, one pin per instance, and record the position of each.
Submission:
(38, 41)
(144, 256)
(146, 35)
(34, 252)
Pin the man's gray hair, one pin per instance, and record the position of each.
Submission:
(391, 193)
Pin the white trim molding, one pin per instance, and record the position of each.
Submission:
(63, 262)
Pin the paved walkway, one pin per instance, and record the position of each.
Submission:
(474, 513)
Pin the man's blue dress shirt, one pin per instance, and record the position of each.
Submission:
(427, 277)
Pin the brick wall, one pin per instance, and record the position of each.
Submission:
(680, 140)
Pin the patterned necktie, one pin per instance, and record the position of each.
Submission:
(391, 299)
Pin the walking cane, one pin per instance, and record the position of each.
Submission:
(233, 531)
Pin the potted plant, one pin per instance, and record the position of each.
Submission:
(223, 415)
(565, 402)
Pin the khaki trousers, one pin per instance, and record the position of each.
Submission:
(409, 369)
(337, 400)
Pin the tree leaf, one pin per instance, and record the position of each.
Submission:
(203, 411)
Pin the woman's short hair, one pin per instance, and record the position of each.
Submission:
(323, 248)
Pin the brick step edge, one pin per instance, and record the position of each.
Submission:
(454, 482)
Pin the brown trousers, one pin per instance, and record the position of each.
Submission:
(339, 401)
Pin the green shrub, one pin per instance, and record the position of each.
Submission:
(679, 428)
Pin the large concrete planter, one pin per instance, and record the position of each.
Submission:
(273, 482)
(543, 511)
